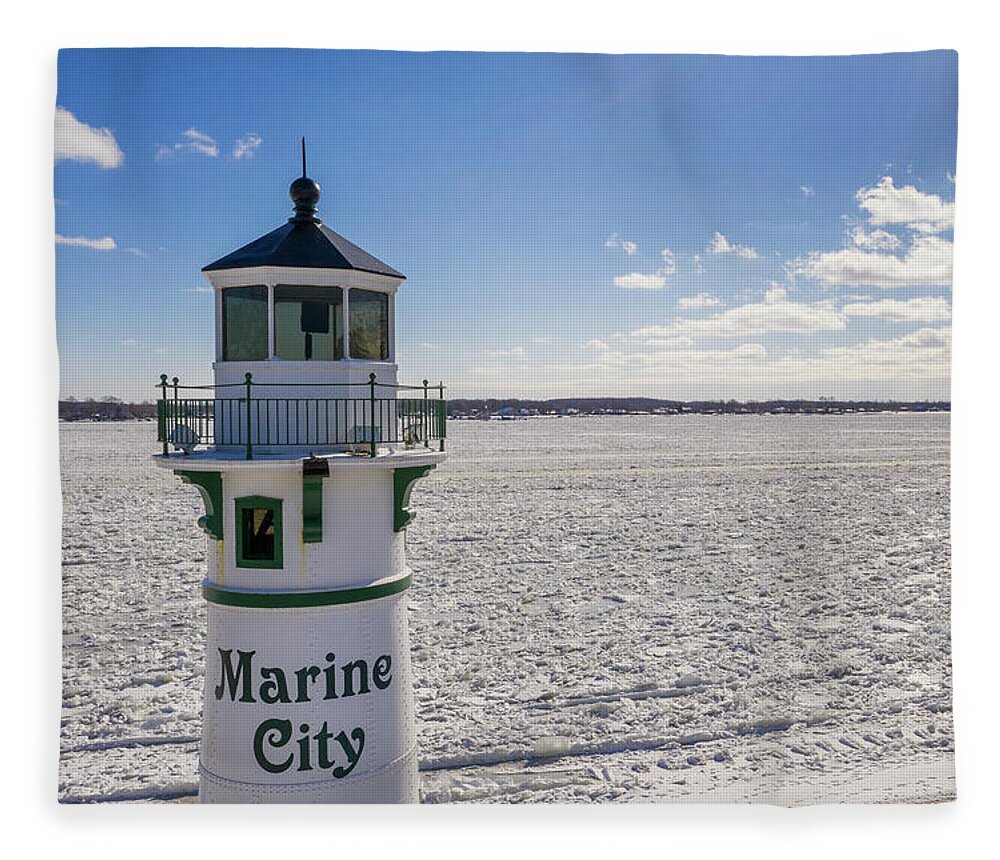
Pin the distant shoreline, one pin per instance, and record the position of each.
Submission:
(71, 411)
(517, 408)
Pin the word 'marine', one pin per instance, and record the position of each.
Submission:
(273, 686)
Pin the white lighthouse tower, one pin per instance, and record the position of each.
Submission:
(305, 450)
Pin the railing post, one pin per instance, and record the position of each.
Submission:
(425, 430)
(177, 405)
(161, 414)
(442, 413)
(371, 382)
(248, 378)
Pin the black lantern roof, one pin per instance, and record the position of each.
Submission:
(305, 241)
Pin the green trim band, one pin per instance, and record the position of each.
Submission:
(302, 599)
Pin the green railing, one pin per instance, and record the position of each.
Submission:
(238, 418)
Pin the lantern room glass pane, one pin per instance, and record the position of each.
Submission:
(244, 324)
(308, 323)
(369, 315)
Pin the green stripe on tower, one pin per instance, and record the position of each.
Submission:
(302, 599)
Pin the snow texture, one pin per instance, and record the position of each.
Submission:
(628, 608)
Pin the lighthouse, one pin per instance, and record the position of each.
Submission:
(305, 449)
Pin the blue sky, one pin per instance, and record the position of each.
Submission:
(674, 226)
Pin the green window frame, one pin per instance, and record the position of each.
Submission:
(247, 555)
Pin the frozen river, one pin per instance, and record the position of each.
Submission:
(633, 608)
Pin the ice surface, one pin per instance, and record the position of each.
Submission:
(633, 608)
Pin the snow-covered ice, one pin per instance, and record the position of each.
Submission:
(627, 608)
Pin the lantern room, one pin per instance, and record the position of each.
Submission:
(302, 300)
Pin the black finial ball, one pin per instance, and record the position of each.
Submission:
(304, 191)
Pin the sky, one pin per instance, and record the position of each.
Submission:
(672, 226)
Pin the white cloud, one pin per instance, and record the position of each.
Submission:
(669, 342)
(197, 290)
(926, 263)
(908, 352)
(246, 146)
(926, 338)
(702, 300)
(196, 141)
(669, 264)
(778, 315)
(886, 204)
(750, 351)
(613, 241)
(807, 191)
(516, 352)
(928, 309)
(648, 366)
(104, 244)
(914, 366)
(639, 281)
(875, 240)
(199, 137)
(653, 281)
(775, 293)
(130, 342)
(77, 141)
(721, 245)
(193, 142)
(876, 257)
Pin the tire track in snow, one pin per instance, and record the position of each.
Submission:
(131, 743)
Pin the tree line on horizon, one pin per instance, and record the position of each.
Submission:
(104, 409)
(115, 409)
(468, 407)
